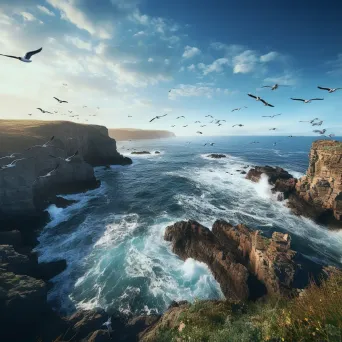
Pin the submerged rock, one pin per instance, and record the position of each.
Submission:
(140, 152)
(216, 156)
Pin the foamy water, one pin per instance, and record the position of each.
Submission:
(112, 238)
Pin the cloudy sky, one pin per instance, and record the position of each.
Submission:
(125, 55)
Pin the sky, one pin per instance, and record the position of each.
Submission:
(124, 56)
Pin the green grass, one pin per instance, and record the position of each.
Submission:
(316, 315)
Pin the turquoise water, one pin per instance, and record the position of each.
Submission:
(112, 237)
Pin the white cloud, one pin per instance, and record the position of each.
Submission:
(189, 90)
(245, 62)
(269, 57)
(100, 49)
(79, 43)
(28, 16)
(191, 67)
(216, 66)
(139, 34)
(78, 18)
(46, 10)
(285, 79)
(150, 60)
(191, 51)
(166, 61)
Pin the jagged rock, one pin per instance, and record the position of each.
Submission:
(243, 172)
(156, 152)
(12, 261)
(216, 156)
(192, 240)
(12, 237)
(270, 260)
(140, 152)
(273, 174)
(321, 188)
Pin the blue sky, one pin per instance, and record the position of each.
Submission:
(124, 55)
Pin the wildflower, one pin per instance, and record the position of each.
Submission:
(306, 319)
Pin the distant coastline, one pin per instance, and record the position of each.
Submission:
(122, 134)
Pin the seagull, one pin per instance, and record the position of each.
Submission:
(306, 101)
(254, 142)
(318, 123)
(202, 125)
(65, 84)
(272, 129)
(27, 56)
(29, 114)
(70, 111)
(266, 103)
(330, 90)
(13, 164)
(11, 156)
(197, 121)
(48, 174)
(238, 125)
(108, 324)
(218, 121)
(236, 109)
(158, 117)
(60, 101)
(211, 144)
(44, 111)
(185, 126)
(173, 126)
(44, 145)
(311, 121)
(290, 136)
(199, 132)
(130, 116)
(275, 86)
(258, 98)
(84, 106)
(219, 124)
(320, 132)
(68, 159)
(270, 116)
(55, 111)
(209, 116)
(180, 117)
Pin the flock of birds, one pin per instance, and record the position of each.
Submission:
(47, 144)
(218, 122)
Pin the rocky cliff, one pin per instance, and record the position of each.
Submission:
(318, 194)
(246, 264)
(322, 185)
(21, 191)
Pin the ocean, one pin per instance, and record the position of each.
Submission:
(112, 238)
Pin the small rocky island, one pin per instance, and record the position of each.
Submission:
(216, 156)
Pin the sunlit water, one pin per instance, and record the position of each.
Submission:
(112, 238)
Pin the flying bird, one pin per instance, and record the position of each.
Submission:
(47, 144)
(290, 136)
(218, 121)
(44, 111)
(320, 132)
(55, 111)
(11, 156)
(108, 324)
(180, 117)
(318, 123)
(85, 106)
(70, 111)
(266, 103)
(199, 132)
(236, 109)
(270, 116)
(202, 125)
(12, 164)
(275, 86)
(211, 144)
(173, 126)
(306, 101)
(272, 129)
(60, 101)
(29, 114)
(209, 116)
(330, 90)
(49, 174)
(238, 125)
(185, 126)
(27, 57)
(130, 116)
(65, 84)
(68, 159)
(197, 121)
(158, 117)
(258, 98)
(254, 142)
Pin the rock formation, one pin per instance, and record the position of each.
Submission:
(140, 152)
(216, 156)
(318, 194)
(243, 261)
(322, 185)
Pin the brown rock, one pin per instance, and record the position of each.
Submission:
(192, 240)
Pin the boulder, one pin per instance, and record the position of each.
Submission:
(216, 156)
(273, 174)
(156, 152)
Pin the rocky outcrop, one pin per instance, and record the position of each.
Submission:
(192, 240)
(140, 152)
(244, 262)
(322, 186)
(216, 156)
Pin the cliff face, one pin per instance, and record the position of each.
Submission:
(245, 263)
(21, 194)
(322, 185)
